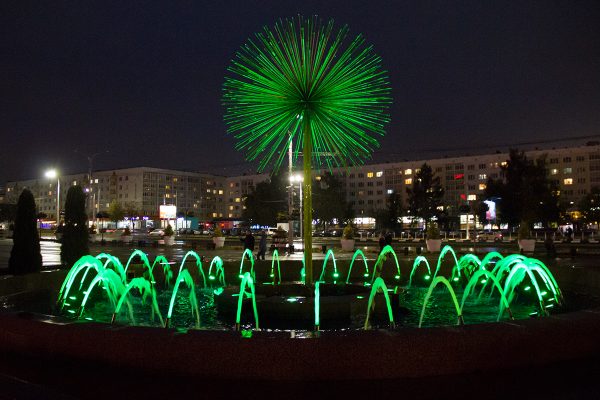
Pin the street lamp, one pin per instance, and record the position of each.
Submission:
(299, 179)
(51, 174)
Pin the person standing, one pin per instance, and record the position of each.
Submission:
(262, 245)
(249, 242)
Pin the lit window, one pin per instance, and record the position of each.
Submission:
(74, 183)
(214, 215)
(220, 191)
(482, 176)
(408, 181)
(167, 187)
(407, 171)
(553, 171)
(95, 180)
(390, 191)
(370, 174)
(230, 215)
(568, 181)
(230, 208)
(472, 197)
(207, 190)
(504, 163)
(174, 179)
(168, 196)
(237, 199)
(567, 170)
(318, 178)
(379, 174)
(482, 186)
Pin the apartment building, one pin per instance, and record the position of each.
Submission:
(575, 170)
(141, 189)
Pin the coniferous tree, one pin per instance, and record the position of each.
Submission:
(25, 255)
(75, 236)
(426, 194)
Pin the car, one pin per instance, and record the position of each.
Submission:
(489, 236)
(157, 233)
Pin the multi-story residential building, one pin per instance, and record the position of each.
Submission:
(574, 170)
(141, 189)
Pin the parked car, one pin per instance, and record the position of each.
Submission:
(156, 233)
(489, 236)
(188, 231)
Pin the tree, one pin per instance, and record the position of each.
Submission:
(8, 212)
(267, 201)
(116, 211)
(590, 206)
(387, 218)
(426, 195)
(524, 192)
(75, 234)
(25, 256)
(329, 200)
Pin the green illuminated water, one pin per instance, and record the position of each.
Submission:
(489, 289)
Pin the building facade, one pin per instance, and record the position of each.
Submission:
(574, 170)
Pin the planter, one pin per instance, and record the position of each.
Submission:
(527, 245)
(433, 245)
(126, 238)
(347, 244)
(219, 241)
(169, 240)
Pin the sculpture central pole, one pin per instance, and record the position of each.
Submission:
(307, 197)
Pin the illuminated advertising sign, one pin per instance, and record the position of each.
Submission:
(168, 212)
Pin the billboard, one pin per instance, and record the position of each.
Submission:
(167, 212)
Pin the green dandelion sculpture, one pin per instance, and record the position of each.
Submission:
(303, 83)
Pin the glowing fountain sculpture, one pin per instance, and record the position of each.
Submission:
(302, 84)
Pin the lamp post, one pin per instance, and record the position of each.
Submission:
(51, 174)
(293, 179)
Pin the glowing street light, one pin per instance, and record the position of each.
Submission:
(51, 174)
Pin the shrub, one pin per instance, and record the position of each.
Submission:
(217, 232)
(127, 231)
(524, 232)
(75, 231)
(25, 254)
(433, 232)
(348, 233)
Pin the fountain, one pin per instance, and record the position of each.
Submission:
(481, 283)
(197, 307)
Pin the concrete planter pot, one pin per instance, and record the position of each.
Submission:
(219, 241)
(347, 244)
(433, 245)
(527, 245)
(169, 240)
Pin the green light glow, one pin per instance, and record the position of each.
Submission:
(303, 67)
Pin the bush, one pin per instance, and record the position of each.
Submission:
(433, 232)
(217, 232)
(25, 254)
(75, 231)
(169, 230)
(524, 232)
(348, 233)
(127, 231)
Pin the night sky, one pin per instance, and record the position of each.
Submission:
(143, 80)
